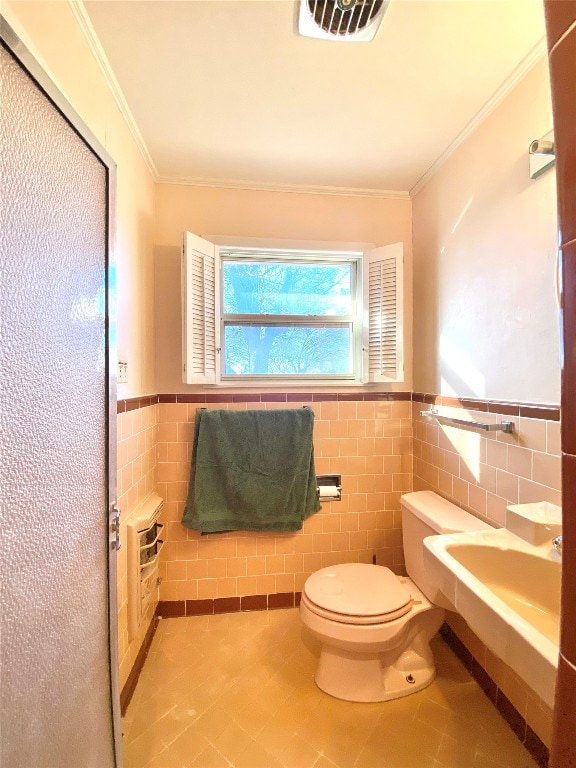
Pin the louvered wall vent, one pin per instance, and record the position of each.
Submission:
(353, 20)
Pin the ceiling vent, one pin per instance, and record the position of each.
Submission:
(353, 20)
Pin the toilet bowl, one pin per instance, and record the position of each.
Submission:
(375, 627)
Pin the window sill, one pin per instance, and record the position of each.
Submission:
(307, 384)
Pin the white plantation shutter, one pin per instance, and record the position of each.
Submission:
(199, 326)
(384, 297)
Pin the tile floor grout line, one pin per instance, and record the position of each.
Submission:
(237, 673)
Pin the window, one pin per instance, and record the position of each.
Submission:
(287, 316)
(290, 315)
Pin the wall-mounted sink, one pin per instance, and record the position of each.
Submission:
(508, 591)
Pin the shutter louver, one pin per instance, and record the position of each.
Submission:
(385, 314)
(199, 316)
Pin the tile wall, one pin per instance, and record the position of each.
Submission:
(504, 688)
(137, 432)
(368, 442)
(382, 449)
(484, 472)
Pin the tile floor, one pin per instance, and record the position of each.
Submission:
(237, 691)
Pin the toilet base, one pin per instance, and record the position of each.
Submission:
(367, 678)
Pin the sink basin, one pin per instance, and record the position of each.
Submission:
(508, 591)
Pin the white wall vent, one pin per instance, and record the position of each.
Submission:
(352, 20)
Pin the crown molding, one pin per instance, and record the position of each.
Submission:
(261, 186)
(85, 24)
(529, 61)
(83, 19)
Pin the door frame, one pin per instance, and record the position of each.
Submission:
(30, 64)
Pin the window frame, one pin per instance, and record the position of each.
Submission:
(381, 284)
(294, 256)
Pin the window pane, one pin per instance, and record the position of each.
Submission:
(271, 288)
(287, 350)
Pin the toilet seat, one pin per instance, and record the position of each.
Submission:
(356, 593)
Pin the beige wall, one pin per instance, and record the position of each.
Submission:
(210, 211)
(485, 321)
(52, 33)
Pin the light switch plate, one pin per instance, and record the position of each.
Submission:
(122, 372)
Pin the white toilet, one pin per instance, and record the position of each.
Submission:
(375, 627)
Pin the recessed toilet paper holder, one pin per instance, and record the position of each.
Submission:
(329, 487)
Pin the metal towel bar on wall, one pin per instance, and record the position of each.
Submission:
(503, 426)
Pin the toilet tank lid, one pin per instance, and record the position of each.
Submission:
(440, 514)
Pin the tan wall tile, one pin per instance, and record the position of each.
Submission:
(496, 509)
(196, 569)
(520, 461)
(246, 546)
(331, 523)
(553, 438)
(285, 582)
(357, 428)
(304, 543)
(328, 411)
(339, 429)
(348, 411)
(176, 571)
(507, 485)
(366, 410)
(275, 564)
(477, 500)
(497, 454)
(255, 566)
(227, 587)
(460, 491)
(535, 492)
(285, 543)
(207, 588)
(294, 563)
(247, 585)
(532, 433)
(216, 567)
(546, 470)
(185, 550)
(266, 585)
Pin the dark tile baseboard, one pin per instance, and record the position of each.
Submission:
(130, 684)
(544, 411)
(177, 608)
(517, 723)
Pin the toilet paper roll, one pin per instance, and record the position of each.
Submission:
(328, 492)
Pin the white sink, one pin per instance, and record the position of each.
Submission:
(508, 591)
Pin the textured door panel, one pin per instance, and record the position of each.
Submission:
(55, 686)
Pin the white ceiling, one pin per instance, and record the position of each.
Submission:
(227, 91)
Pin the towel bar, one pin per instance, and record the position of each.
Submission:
(503, 426)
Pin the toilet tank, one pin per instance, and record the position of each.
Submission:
(424, 513)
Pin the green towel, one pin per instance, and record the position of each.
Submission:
(251, 471)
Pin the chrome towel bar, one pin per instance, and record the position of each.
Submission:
(503, 426)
